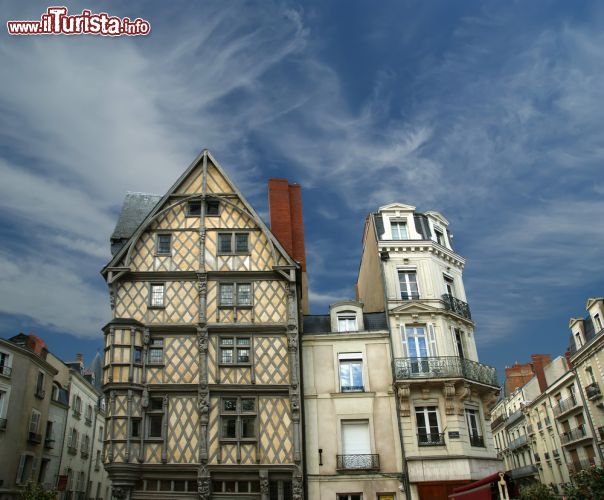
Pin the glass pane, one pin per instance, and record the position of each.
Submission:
(345, 379)
(254, 486)
(229, 486)
(248, 427)
(229, 427)
(157, 404)
(157, 295)
(155, 425)
(227, 341)
(163, 243)
(243, 341)
(156, 355)
(216, 486)
(165, 485)
(224, 242)
(226, 294)
(229, 405)
(179, 486)
(242, 486)
(243, 355)
(248, 405)
(241, 242)
(244, 294)
(227, 356)
(194, 208)
(212, 207)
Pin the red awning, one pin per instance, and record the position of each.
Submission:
(478, 490)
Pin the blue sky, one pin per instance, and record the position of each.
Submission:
(489, 112)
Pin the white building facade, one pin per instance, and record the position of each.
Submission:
(410, 269)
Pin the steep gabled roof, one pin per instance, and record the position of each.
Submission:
(135, 209)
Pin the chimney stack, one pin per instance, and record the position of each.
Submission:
(285, 209)
(539, 361)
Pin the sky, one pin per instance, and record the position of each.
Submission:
(488, 112)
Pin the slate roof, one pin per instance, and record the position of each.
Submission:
(134, 210)
(315, 323)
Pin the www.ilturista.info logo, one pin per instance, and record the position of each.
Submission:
(56, 21)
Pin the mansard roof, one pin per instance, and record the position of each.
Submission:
(321, 323)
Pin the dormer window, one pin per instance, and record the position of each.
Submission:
(598, 322)
(347, 322)
(440, 236)
(399, 230)
(579, 340)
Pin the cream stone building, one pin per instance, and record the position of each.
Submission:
(201, 368)
(352, 437)
(587, 359)
(445, 395)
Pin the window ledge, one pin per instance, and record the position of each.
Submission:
(232, 254)
(162, 254)
(154, 440)
(352, 394)
(156, 307)
(156, 365)
(235, 365)
(238, 306)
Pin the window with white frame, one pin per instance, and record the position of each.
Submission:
(419, 343)
(440, 236)
(356, 445)
(5, 367)
(398, 229)
(73, 438)
(590, 376)
(351, 372)
(77, 406)
(349, 496)
(164, 244)
(34, 423)
(347, 321)
(474, 427)
(449, 285)
(25, 469)
(408, 284)
(235, 294)
(157, 294)
(3, 407)
(40, 385)
(428, 426)
(235, 350)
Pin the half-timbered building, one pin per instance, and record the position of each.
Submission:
(201, 367)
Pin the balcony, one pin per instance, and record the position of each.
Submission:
(84, 453)
(34, 437)
(575, 434)
(445, 367)
(77, 413)
(565, 405)
(431, 439)
(579, 465)
(88, 421)
(546, 455)
(518, 443)
(514, 417)
(530, 430)
(5, 371)
(457, 306)
(593, 391)
(537, 457)
(526, 471)
(556, 454)
(477, 441)
(3, 422)
(357, 462)
(498, 420)
(352, 388)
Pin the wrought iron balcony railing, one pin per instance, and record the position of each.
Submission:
(514, 417)
(579, 465)
(352, 388)
(84, 453)
(49, 442)
(527, 470)
(565, 405)
(457, 306)
(431, 439)
(5, 370)
(445, 367)
(546, 455)
(517, 443)
(34, 437)
(497, 420)
(574, 434)
(592, 390)
(3, 424)
(477, 441)
(556, 454)
(358, 462)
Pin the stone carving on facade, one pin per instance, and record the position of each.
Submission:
(119, 492)
(111, 298)
(202, 284)
(297, 484)
(292, 341)
(490, 401)
(203, 488)
(403, 392)
(449, 394)
(145, 397)
(464, 394)
(264, 487)
(202, 403)
(146, 336)
(203, 341)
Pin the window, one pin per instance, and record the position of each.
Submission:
(25, 469)
(77, 406)
(88, 415)
(474, 430)
(34, 422)
(238, 419)
(459, 343)
(408, 284)
(97, 464)
(449, 288)
(5, 368)
(155, 418)
(234, 350)
(598, 322)
(590, 375)
(135, 427)
(194, 208)
(440, 236)
(235, 294)
(157, 294)
(579, 341)
(356, 445)
(101, 434)
(156, 352)
(399, 230)
(3, 408)
(229, 243)
(72, 441)
(350, 496)
(428, 429)
(351, 372)
(40, 385)
(85, 445)
(164, 244)
(347, 322)
(138, 354)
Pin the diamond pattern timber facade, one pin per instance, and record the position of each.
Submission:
(201, 362)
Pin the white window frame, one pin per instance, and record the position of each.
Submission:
(34, 428)
(349, 358)
(347, 321)
(426, 410)
(407, 271)
(152, 303)
(398, 236)
(474, 412)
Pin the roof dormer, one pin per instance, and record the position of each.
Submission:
(346, 316)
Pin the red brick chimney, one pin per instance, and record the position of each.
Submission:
(285, 209)
(539, 361)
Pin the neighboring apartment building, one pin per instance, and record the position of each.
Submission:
(587, 360)
(25, 393)
(520, 373)
(81, 447)
(445, 395)
(201, 366)
(352, 436)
